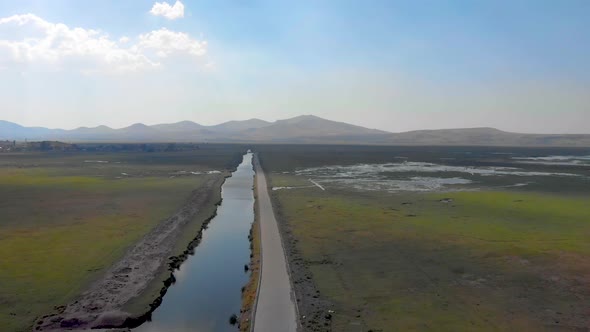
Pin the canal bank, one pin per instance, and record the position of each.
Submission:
(105, 303)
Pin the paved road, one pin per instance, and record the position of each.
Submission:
(275, 309)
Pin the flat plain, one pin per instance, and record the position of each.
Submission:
(66, 217)
(446, 239)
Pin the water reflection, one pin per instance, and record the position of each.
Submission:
(208, 285)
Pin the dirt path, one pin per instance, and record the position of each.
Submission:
(314, 309)
(275, 308)
(100, 306)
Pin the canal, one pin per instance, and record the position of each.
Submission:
(208, 284)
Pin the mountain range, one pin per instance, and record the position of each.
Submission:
(305, 129)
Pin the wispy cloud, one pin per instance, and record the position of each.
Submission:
(37, 41)
(166, 10)
(165, 42)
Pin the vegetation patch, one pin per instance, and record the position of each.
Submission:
(496, 258)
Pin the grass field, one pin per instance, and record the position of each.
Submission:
(65, 218)
(489, 260)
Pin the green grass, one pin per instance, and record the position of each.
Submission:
(487, 261)
(63, 222)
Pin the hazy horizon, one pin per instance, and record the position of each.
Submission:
(219, 123)
(390, 65)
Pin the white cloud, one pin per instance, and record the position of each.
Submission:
(165, 42)
(30, 39)
(169, 12)
(25, 19)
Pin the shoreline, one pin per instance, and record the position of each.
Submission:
(142, 270)
(142, 306)
(173, 264)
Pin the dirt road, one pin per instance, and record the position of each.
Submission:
(275, 308)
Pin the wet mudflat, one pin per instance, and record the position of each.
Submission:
(208, 285)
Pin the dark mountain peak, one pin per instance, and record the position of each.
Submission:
(329, 126)
(139, 129)
(186, 123)
(310, 127)
(253, 121)
(489, 129)
(178, 126)
(302, 118)
(135, 126)
(179, 123)
(237, 125)
(97, 129)
(307, 117)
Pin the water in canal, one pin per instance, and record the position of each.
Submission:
(208, 284)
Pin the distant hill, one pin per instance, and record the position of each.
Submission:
(236, 126)
(95, 133)
(485, 136)
(9, 130)
(305, 129)
(305, 126)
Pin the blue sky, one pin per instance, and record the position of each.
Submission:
(393, 65)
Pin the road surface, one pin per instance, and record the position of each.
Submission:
(275, 308)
